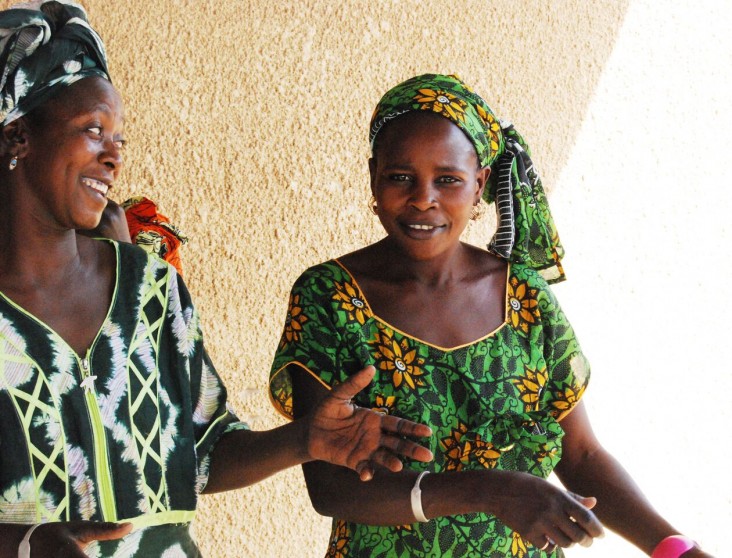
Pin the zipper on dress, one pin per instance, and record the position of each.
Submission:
(101, 457)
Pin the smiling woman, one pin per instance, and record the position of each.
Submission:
(472, 342)
(113, 419)
(71, 149)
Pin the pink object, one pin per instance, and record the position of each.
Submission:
(673, 547)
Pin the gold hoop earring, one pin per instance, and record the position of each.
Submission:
(373, 206)
(478, 211)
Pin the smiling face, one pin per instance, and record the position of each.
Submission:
(425, 178)
(71, 153)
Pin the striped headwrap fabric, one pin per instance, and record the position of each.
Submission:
(43, 46)
(526, 232)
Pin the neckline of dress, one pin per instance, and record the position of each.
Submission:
(58, 336)
(419, 340)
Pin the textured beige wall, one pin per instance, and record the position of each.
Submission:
(247, 123)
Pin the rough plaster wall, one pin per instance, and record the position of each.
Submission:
(247, 123)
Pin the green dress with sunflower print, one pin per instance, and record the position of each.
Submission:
(492, 403)
(122, 433)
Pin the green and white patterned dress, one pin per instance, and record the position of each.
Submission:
(123, 433)
(492, 403)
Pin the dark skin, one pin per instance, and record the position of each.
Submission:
(422, 280)
(69, 155)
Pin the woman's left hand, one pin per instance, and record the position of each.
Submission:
(343, 433)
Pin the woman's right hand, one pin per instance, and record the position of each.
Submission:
(545, 514)
(69, 539)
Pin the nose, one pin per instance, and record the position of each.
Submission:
(423, 195)
(111, 155)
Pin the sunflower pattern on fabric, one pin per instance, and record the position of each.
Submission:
(122, 433)
(398, 358)
(493, 403)
(523, 308)
(339, 541)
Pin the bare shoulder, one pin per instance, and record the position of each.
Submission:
(367, 261)
(481, 264)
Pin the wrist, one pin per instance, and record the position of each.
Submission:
(673, 547)
(24, 548)
(301, 432)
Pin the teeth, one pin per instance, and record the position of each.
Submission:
(421, 227)
(100, 187)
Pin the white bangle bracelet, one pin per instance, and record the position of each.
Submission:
(416, 497)
(24, 548)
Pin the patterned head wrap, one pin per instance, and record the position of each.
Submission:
(44, 45)
(526, 231)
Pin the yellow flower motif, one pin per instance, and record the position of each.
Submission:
(523, 306)
(518, 546)
(565, 401)
(442, 101)
(544, 453)
(458, 454)
(284, 399)
(492, 126)
(352, 302)
(338, 541)
(453, 449)
(481, 451)
(530, 387)
(384, 404)
(398, 358)
(294, 322)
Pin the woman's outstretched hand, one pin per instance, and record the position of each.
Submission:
(69, 539)
(345, 434)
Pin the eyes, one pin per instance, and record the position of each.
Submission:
(97, 131)
(408, 178)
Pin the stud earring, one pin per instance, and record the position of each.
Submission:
(13, 163)
(373, 206)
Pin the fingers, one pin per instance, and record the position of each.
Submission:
(583, 518)
(102, 532)
(577, 526)
(404, 427)
(348, 389)
(587, 501)
(365, 471)
(404, 447)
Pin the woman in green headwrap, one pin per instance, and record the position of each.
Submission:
(112, 418)
(469, 341)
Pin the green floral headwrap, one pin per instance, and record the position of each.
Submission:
(44, 45)
(526, 231)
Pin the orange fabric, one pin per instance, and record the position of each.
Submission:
(153, 231)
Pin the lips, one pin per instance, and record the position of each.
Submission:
(421, 230)
(96, 184)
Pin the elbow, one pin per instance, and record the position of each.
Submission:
(321, 492)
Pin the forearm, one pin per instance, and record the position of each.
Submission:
(621, 506)
(11, 534)
(386, 499)
(245, 457)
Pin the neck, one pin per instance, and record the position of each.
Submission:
(32, 252)
(436, 272)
